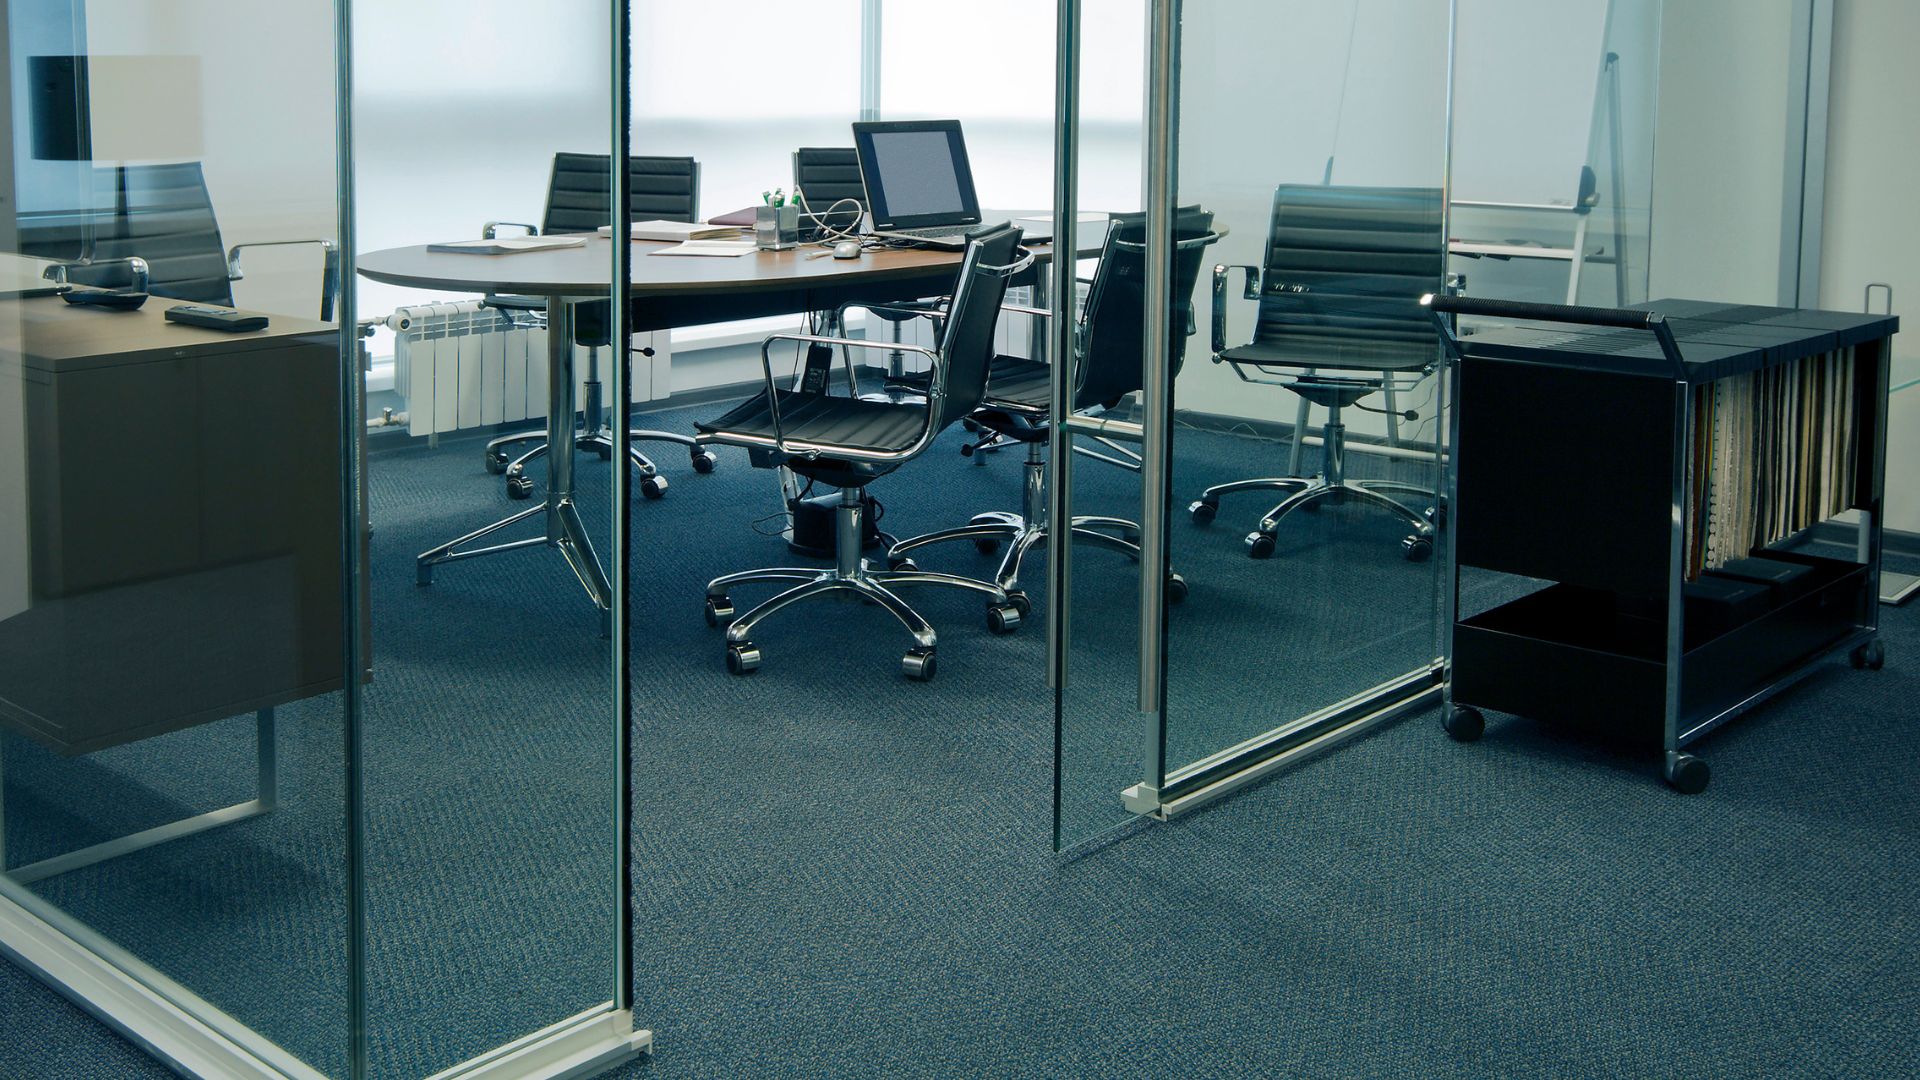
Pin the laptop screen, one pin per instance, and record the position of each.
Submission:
(916, 174)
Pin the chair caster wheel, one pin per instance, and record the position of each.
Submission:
(520, 487)
(1003, 618)
(1435, 515)
(1260, 545)
(1687, 774)
(495, 463)
(704, 463)
(604, 451)
(1176, 589)
(918, 664)
(1464, 724)
(986, 545)
(1203, 511)
(719, 611)
(1869, 657)
(743, 658)
(1416, 549)
(1021, 603)
(969, 426)
(653, 486)
(902, 565)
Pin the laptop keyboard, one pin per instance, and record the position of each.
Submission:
(931, 232)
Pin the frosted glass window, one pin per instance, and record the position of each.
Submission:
(990, 63)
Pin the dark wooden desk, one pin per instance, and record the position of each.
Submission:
(183, 521)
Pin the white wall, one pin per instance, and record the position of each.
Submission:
(1720, 150)
(263, 127)
(1871, 230)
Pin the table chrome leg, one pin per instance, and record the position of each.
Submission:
(266, 799)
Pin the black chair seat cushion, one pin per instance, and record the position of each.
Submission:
(1314, 351)
(1013, 381)
(823, 419)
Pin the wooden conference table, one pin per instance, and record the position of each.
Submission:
(666, 293)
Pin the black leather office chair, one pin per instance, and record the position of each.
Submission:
(659, 189)
(1018, 404)
(1339, 317)
(823, 176)
(161, 216)
(848, 442)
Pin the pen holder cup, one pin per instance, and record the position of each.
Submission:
(776, 228)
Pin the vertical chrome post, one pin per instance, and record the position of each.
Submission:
(1066, 204)
(353, 429)
(1677, 567)
(620, 274)
(1156, 397)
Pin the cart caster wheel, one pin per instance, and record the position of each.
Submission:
(1176, 589)
(1687, 774)
(986, 545)
(719, 611)
(1021, 603)
(1203, 511)
(1416, 549)
(1869, 657)
(918, 664)
(902, 565)
(496, 464)
(743, 658)
(653, 486)
(1260, 545)
(520, 487)
(1464, 724)
(704, 463)
(1003, 618)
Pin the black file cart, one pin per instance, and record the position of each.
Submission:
(1661, 468)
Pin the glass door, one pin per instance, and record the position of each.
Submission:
(1286, 411)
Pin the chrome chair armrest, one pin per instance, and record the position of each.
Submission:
(329, 268)
(137, 271)
(780, 440)
(492, 228)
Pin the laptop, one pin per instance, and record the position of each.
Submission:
(919, 185)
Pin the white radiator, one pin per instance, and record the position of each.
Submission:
(462, 365)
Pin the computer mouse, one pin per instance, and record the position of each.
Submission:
(847, 249)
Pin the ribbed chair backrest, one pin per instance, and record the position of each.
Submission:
(1111, 366)
(1365, 256)
(967, 343)
(827, 175)
(161, 213)
(659, 188)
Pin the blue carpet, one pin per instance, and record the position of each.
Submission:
(839, 873)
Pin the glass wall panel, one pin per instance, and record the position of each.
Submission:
(489, 726)
(171, 615)
(1312, 141)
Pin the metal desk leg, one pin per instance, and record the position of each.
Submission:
(564, 530)
(266, 799)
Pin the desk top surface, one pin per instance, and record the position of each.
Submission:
(49, 333)
(584, 271)
(1716, 339)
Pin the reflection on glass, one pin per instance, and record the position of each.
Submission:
(1564, 214)
(1304, 458)
(171, 638)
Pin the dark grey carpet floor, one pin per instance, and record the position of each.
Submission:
(842, 874)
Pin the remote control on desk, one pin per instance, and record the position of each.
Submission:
(118, 299)
(214, 318)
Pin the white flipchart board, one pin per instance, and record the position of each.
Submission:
(1526, 78)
